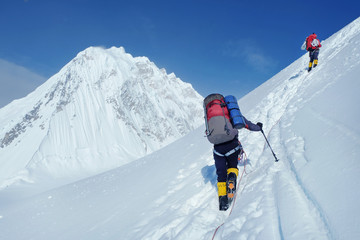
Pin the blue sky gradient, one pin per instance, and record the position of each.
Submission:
(226, 46)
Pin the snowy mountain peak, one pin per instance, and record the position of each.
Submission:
(103, 109)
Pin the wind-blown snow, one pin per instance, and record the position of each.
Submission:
(310, 120)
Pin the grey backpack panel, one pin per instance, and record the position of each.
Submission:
(220, 130)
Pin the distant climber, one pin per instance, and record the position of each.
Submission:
(223, 119)
(312, 46)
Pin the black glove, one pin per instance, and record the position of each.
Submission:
(260, 125)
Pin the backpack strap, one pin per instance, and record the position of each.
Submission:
(223, 105)
(207, 132)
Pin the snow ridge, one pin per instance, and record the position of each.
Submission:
(295, 102)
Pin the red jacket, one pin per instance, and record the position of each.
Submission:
(309, 40)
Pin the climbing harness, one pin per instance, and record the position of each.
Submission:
(229, 152)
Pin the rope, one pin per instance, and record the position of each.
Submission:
(243, 159)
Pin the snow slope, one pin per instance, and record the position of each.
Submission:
(311, 193)
(103, 109)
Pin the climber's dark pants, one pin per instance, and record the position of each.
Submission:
(314, 55)
(222, 163)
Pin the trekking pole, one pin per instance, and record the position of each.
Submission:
(276, 159)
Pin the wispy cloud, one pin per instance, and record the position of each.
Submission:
(16, 82)
(248, 51)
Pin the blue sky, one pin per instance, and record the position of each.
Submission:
(226, 46)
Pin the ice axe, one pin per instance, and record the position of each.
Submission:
(276, 159)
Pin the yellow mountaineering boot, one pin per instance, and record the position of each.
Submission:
(223, 200)
(310, 65)
(232, 174)
(315, 62)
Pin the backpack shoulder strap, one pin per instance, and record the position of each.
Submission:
(207, 133)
